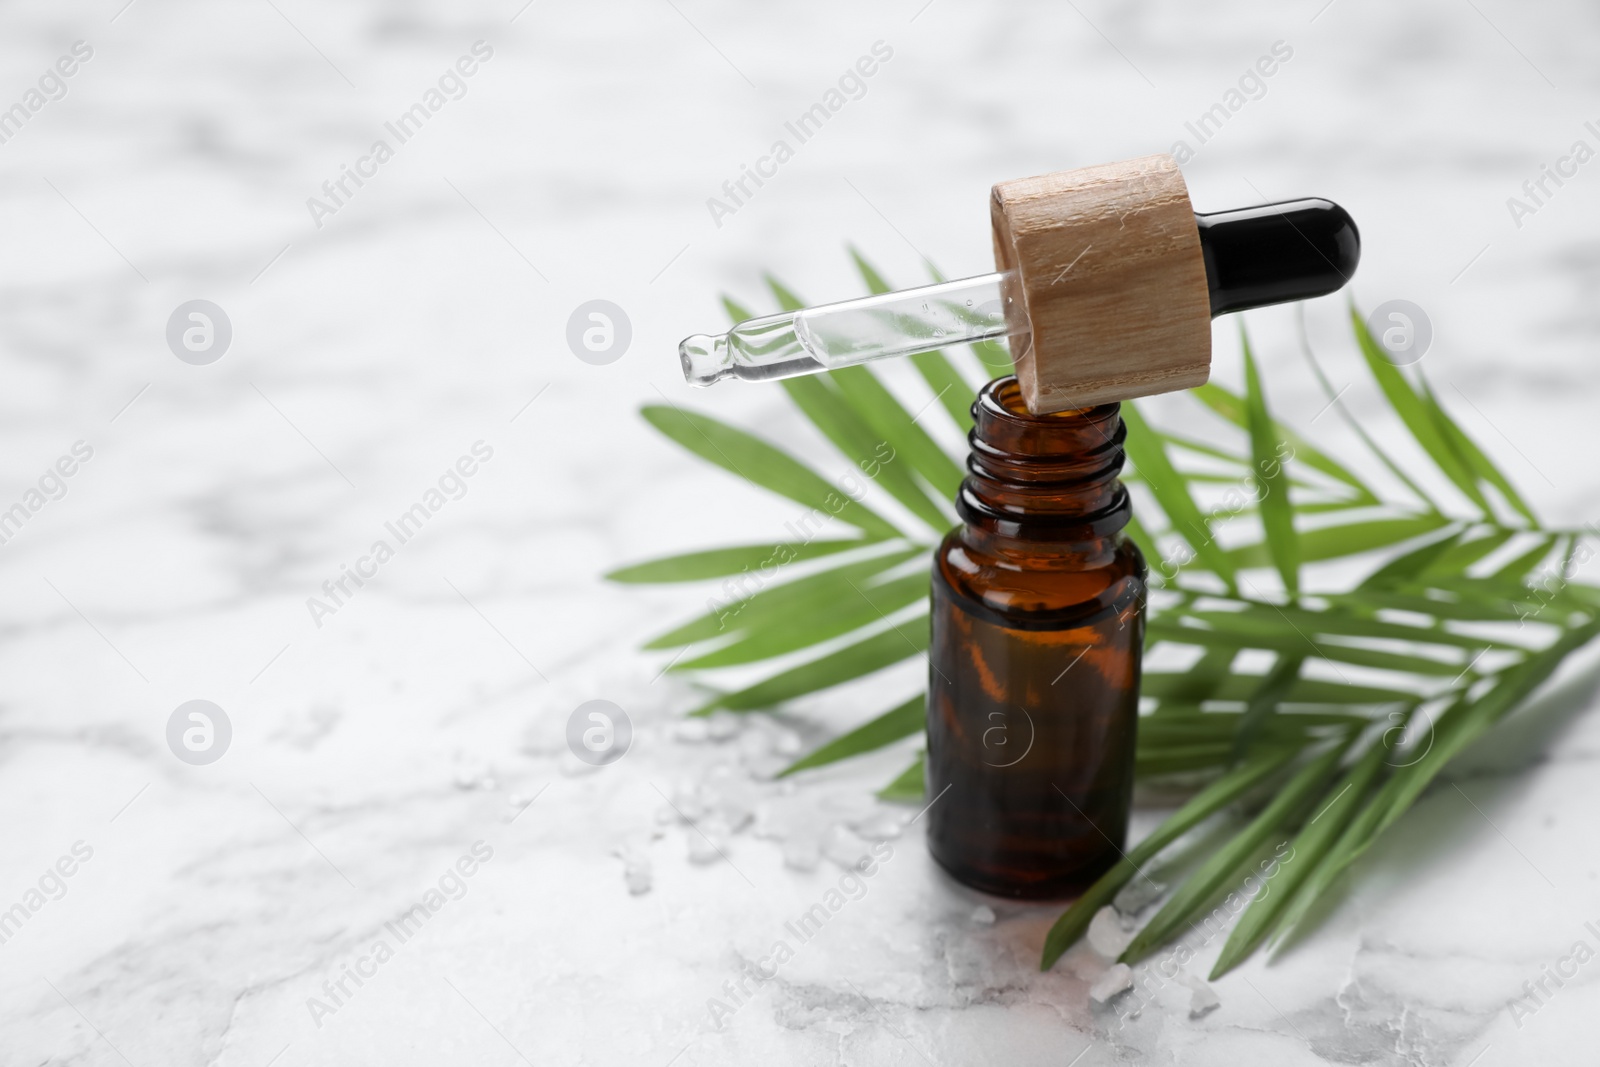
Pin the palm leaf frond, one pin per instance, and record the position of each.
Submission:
(1374, 683)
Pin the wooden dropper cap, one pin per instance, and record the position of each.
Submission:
(1115, 279)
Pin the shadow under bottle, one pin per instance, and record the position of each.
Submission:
(1038, 626)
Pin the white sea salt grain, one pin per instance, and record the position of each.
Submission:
(723, 725)
(1118, 977)
(881, 826)
(636, 869)
(785, 742)
(801, 853)
(844, 847)
(850, 806)
(1106, 935)
(689, 802)
(766, 768)
(735, 814)
(1203, 999)
(770, 825)
(983, 914)
(691, 731)
(472, 773)
(1137, 895)
(754, 744)
(706, 841)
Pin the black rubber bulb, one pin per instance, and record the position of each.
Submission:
(1274, 253)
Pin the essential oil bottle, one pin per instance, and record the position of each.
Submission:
(1033, 681)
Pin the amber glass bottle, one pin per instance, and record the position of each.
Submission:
(1038, 625)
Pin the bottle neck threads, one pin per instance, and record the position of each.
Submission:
(1043, 479)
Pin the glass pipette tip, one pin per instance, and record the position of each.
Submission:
(849, 332)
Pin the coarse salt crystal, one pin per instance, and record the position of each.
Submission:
(844, 847)
(1106, 935)
(1203, 999)
(1118, 977)
(801, 854)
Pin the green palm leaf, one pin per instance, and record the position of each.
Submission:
(894, 724)
(1272, 485)
(1414, 412)
(907, 788)
(1149, 456)
(862, 606)
(1210, 800)
(1477, 463)
(1232, 407)
(760, 463)
(721, 562)
(1438, 627)
(1307, 848)
(871, 654)
(1225, 862)
(774, 607)
(829, 412)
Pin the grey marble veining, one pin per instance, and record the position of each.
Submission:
(426, 715)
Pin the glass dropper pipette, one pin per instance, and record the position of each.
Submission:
(1254, 257)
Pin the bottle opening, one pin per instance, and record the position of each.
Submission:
(1003, 424)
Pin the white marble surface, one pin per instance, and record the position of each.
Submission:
(372, 752)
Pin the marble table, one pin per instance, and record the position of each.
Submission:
(396, 858)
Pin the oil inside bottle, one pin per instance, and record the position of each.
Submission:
(1037, 631)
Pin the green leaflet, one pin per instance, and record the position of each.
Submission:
(1519, 567)
(1413, 411)
(862, 606)
(898, 642)
(1268, 450)
(1265, 701)
(1463, 554)
(908, 787)
(720, 562)
(860, 416)
(881, 411)
(903, 721)
(1408, 565)
(875, 457)
(1225, 863)
(1459, 725)
(1436, 603)
(1181, 725)
(774, 606)
(1210, 676)
(1231, 407)
(1186, 740)
(1419, 616)
(1213, 798)
(1180, 687)
(1477, 462)
(1345, 539)
(1307, 848)
(1291, 643)
(1269, 622)
(1361, 432)
(1149, 456)
(759, 463)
